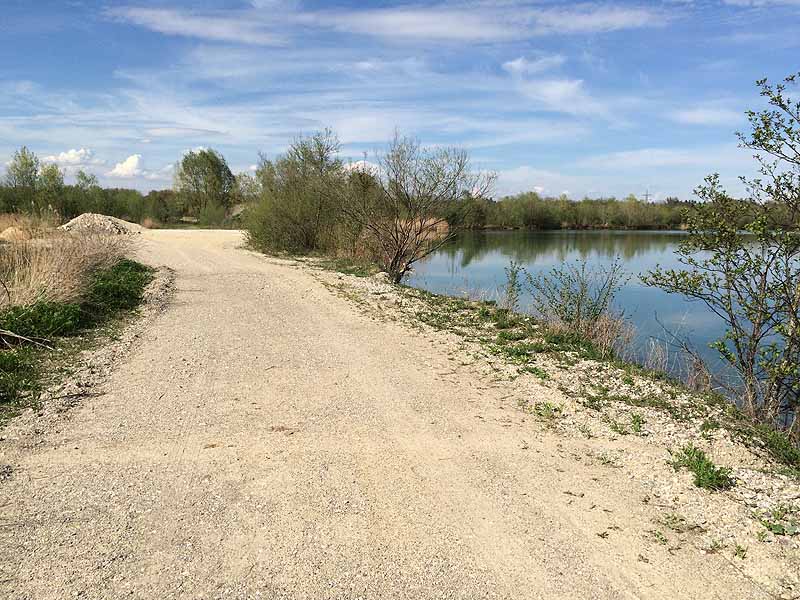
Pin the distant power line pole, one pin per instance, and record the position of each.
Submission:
(647, 196)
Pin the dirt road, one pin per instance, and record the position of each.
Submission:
(263, 438)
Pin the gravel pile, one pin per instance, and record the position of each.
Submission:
(94, 223)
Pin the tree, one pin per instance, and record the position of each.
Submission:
(22, 174)
(752, 281)
(404, 204)
(23, 170)
(299, 209)
(206, 183)
(50, 188)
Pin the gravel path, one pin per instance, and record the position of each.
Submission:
(265, 439)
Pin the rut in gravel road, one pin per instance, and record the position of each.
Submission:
(263, 438)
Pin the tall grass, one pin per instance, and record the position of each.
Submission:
(53, 285)
(55, 267)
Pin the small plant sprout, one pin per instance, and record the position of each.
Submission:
(706, 474)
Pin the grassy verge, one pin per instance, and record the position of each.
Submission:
(58, 328)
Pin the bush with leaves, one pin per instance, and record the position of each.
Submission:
(576, 295)
(297, 212)
(750, 278)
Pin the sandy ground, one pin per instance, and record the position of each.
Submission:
(263, 438)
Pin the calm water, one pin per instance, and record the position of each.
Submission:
(475, 263)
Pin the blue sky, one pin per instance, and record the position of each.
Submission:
(590, 98)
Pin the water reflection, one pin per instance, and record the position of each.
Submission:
(475, 262)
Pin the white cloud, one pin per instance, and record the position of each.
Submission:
(563, 95)
(723, 158)
(428, 23)
(73, 158)
(597, 19)
(265, 23)
(128, 168)
(542, 181)
(707, 115)
(760, 3)
(181, 132)
(163, 174)
(218, 27)
(523, 66)
(364, 166)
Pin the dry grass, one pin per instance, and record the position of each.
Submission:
(24, 227)
(55, 267)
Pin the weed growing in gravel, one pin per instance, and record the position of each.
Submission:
(545, 411)
(537, 371)
(618, 427)
(706, 474)
(637, 422)
(779, 520)
(659, 537)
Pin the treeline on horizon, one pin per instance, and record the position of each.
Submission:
(206, 192)
(39, 188)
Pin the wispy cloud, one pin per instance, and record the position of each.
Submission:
(707, 115)
(525, 66)
(266, 22)
(707, 158)
(209, 26)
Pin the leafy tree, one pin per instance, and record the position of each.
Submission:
(23, 171)
(206, 183)
(22, 174)
(298, 210)
(50, 187)
(751, 278)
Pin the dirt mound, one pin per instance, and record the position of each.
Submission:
(94, 223)
(14, 234)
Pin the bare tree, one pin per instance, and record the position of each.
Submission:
(412, 202)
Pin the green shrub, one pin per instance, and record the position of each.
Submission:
(42, 319)
(779, 446)
(706, 474)
(115, 289)
(18, 376)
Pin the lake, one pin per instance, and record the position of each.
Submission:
(473, 265)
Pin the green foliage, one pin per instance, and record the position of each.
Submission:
(576, 295)
(779, 520)
(111, 290)
(779, 446)
(531, 211)
(637, 423)
(116, 289)
(513, 287)
(18, 375)
(22, 175)
(296, 212)
(706, 474)
(206, 184)
(742, 260)
(42, 319)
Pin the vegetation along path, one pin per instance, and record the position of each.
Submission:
(266, 438)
